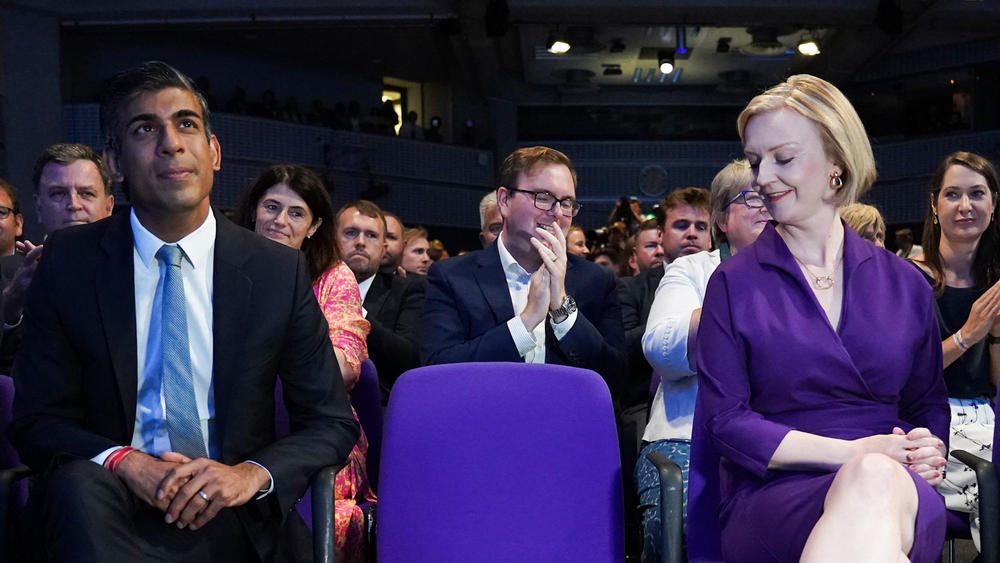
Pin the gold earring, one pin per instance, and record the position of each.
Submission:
(836, 182)
(935, 219)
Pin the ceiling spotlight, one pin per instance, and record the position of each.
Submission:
(666, 60)
(808, 46)
(557, 44)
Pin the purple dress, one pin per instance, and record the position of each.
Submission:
(770, 362)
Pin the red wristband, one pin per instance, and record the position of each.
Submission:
(116, 458)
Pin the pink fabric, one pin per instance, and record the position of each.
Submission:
(338, 296)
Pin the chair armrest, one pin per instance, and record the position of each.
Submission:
(989, 503)
(671, 507)
(323, 519)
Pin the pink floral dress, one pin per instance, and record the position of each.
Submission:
(338, 296)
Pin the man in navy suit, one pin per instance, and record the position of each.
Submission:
(523, 299)
(96, 410)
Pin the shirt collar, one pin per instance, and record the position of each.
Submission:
(196, 245)
(365, 285)
(508, 262)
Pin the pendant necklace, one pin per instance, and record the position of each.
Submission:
(821, 282)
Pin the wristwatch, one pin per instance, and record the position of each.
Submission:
(567, 308)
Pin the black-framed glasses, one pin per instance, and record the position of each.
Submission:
(547, 202)
(5, 212)
(750, 199)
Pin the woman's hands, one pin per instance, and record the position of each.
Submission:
(984, 316)
(921, 451)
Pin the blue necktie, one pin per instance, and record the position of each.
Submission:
(178, 388)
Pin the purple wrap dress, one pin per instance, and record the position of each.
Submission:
(770, 362)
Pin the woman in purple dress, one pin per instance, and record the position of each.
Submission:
(821, 414)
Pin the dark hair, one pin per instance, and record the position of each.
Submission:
(15, 205)
(68, 153)
(150, 76)
(614, 255)
(320, 249)
(524, 159)
(698, 198)
(986, 262)
(366, 208)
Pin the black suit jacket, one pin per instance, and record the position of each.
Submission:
(636, 297)
(76, 376)
(10, 338)
(393, 303)
(468, 305)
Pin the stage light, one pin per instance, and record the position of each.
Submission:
(808, 46)
(557, 44)
(666, 61)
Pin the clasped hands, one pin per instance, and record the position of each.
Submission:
(919, 450)
(172, 483)
(547, 288)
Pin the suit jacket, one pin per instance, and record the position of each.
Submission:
(10, 338)
(636, 297)
(393, 304)
(468, 305)
(76, 376)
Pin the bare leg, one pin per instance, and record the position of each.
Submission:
(868, 515)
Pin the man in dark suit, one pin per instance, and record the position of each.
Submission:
(391, 301)
(523, 299)
(153, 341)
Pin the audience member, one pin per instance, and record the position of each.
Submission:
(961, 261)
(669, 338)
(11, 219)
(289, 204)
(627, 210)
(391, 303)
(685, 225)
(179, 365)
(904, 242)
(523, 298)
(819, 363)
(609, 259)
(490, 221)
(647, 252)
(433, 133)
(436, 251)
(576, 241)
(72, 187)
(410, 129)
(393, 257)
(415, 245)
(866, 221)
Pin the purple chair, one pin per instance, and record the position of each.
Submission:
(367, 400)
(13, 489)
(500, 462)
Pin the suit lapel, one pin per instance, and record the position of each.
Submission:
(116, 302)
(492, 282)
(230, 302)
(378, 293)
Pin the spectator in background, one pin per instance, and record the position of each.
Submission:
(609, 259)
(433, 133)
(436, 251)
(685, 225)
(524, 299)
(410, 129)
(576, 241)
(628, 210)
(904, 242)
(393, 256)
(866, 221)
(647, 252)
(415, 245)
(490, 221)
(391, 303)
(238, 104)
(11, 220)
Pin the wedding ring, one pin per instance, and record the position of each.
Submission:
(203, 495)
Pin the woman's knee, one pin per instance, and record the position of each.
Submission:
(874, 479)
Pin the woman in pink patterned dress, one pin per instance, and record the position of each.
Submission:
(288, 203)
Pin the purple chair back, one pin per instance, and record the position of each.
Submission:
(500, 462)
(8, 455)
(282, 427)
(367, 400)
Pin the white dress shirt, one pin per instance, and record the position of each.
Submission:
(530, 345)
(665, 344)
(363, 288)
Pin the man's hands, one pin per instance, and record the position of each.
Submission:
(548, 284)
(172, 484)
(15, 294)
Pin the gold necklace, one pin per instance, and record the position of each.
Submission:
(821, 282)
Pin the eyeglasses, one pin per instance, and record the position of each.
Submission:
(5, 212)
(547, 202)
(751, 199)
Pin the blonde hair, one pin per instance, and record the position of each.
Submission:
(840, 129)
(731, 180)
(861, 216)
